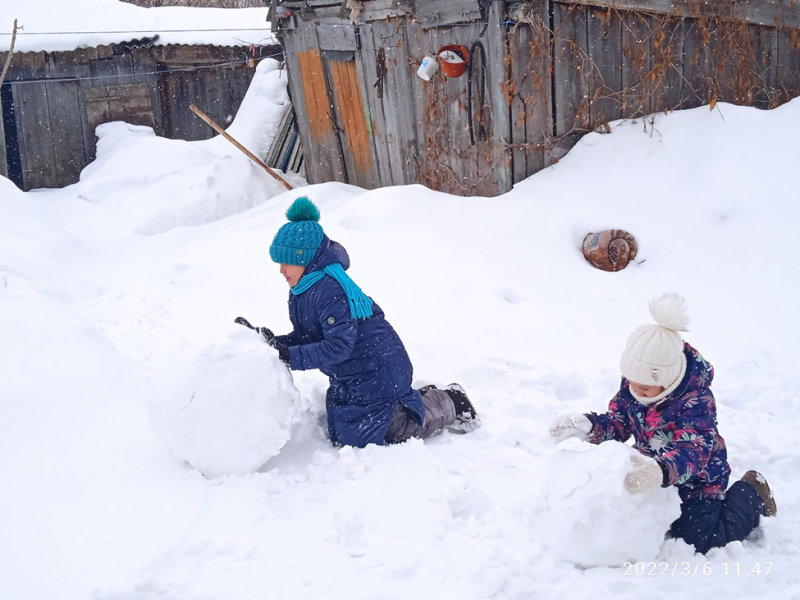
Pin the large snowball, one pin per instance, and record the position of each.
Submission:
(224, 402)
(593, 520)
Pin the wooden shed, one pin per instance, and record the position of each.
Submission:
(541, 74)
(53, 101)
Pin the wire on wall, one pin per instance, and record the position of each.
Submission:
(136, 31)
(144, 73)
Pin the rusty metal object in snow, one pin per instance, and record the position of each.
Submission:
(610, 250)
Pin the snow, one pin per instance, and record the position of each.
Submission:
(206, 180)
(224, 402)
(54, 25)
(162, 244)
(589, 507)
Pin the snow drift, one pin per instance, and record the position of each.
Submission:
(496, 296)
(204, 180)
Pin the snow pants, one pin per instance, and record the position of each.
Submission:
(707, 524)
(439, 413)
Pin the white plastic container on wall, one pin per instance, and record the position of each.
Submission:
(427, 68)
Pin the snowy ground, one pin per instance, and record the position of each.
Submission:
(101, 281)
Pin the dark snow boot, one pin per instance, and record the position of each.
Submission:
(466, 418)
(425, 388)
(758, 481)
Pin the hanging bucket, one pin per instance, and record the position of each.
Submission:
(453, 59)
(427, 68)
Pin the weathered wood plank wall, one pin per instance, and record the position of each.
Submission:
(3, 156)
(286, 153)
(529, 91)
(313, 107)
(417, 131)
(758, 12)
(56, 101)
(557, 69)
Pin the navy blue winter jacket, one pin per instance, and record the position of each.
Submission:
(366, 362)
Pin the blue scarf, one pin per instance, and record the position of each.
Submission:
(360, 303)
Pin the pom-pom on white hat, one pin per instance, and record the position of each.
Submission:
(654, 353)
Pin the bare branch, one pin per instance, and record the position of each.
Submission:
(10, 53)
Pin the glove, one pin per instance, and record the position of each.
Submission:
(645, 475)
(283, 350)
(269, 337)
(567, 426)
(243, 321)
(265, 333)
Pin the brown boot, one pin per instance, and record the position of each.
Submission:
(466, 418)
(758, 481)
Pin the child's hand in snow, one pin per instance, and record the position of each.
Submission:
(266, 333)
(283, 349)
(567, 426)
(645, 474)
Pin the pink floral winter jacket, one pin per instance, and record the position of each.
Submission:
(680, 431)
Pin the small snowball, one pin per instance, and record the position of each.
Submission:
(224, 402)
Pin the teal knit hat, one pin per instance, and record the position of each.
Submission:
(298, 240)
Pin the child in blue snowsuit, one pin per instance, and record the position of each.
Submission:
(665, 403)
(343, 333)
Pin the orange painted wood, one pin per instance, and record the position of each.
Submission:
(316, 97)
(347, 90)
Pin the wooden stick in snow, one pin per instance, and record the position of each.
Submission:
(252, 156)
(10, 53)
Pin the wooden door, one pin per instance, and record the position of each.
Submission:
(49, 132)
(336, 129)
(350, 118)
(129, 103)
(321, 144)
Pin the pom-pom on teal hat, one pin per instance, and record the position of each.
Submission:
(298, 240)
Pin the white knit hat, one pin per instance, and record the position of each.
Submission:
(654, 353)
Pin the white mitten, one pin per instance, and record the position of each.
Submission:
(645, 474)
(567, 426)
